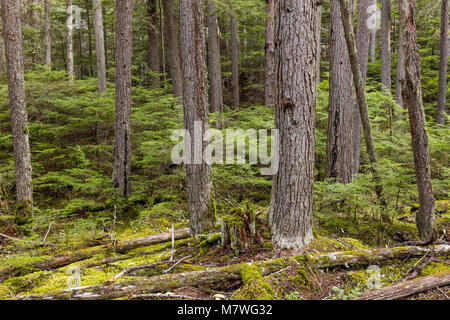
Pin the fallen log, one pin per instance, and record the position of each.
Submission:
(408, 288)
(84, 254)
(209, 276)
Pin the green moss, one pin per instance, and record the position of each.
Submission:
(255, 287)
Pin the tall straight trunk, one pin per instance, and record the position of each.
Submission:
(99, 45)
(340, 107)
(12, 35)
(360, 91)
(122, 143)
(70, 73)
(291, 208)
(173, 48)
(412, 97)
(234, 59)
(318, 37)
(400, 71)
(442, 91)
(195, 106)
(153, 48)
(2, 62)
(373, 37)
(362, 46)
(48, 35)
(386, 45)
(215, 73)
(269, 83)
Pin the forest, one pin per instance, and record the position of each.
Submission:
(224, 150)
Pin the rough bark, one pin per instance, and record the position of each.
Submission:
(2, 62)
(48, 36)
(340, 107)
(269, 79)
(153, 52)
(373, 39)
(196, 115)
(215, 73)
(442, 91)
(122, 143)
(12, 36)
(84, 254)
(291, 208)
(234, 59)
(168, 282)
(99, 45)
(173, 48)
(69, 39)
(412, 97)
(408, 288)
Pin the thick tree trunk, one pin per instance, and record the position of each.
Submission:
(291, 209)
(442, 92)
(12, 35)
(195, 105)
(362, 45)
(99, 45)
(122, 143)
(70, 73)
(173, 48)
(48, 36)
(360, 90)
(408, 288)
(234, 59)
(215, 73)
(269, 82)
(340, 107)
(412, 97)
(153, 52)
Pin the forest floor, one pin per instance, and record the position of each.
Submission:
(26, 269)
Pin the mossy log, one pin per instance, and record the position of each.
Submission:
(83, 254)
(408, 288)
(167, 282)
(370, 256)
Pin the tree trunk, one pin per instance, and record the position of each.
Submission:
(373, 35)
(70, 73)
(412, 97)
(99, 45)
(2, 62)
(173, 48)
(48, 36)
(400, 70)
(442, 92)
(360, 91)
(234, 59)
(215, 73)
(153, 40)
(195, 106)
(340, 107)
(291, 209)
(386, 45)
(12, 35)
(362, 45)
(319, 40)
(269, 83)
(122, 143)
(408, 288)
